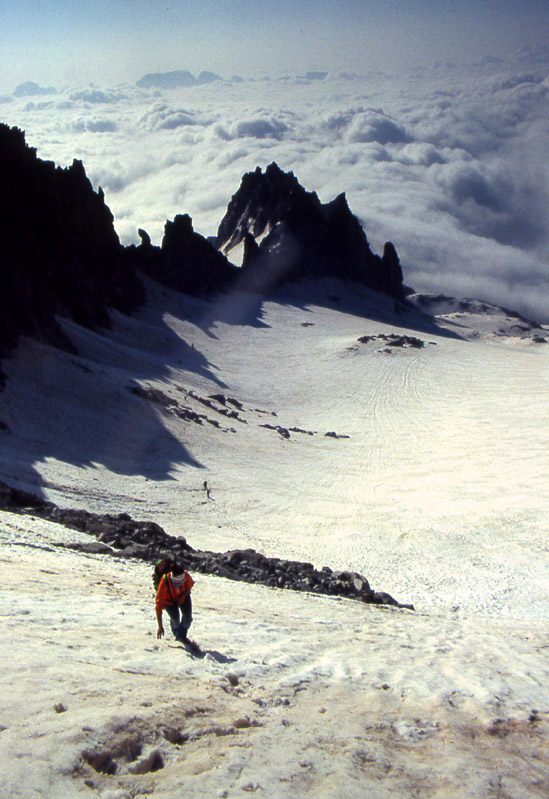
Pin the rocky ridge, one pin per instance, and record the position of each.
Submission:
(186, 261)
(120, 535)
(288, 234)
(62, 256)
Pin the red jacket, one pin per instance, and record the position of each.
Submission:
(170, 594)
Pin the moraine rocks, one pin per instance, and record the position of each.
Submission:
(120, 535)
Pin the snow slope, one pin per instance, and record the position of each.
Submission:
(434, 486)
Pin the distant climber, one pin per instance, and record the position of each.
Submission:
(174, 596)
(207, 489)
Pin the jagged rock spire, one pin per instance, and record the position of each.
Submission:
(288, 234)
(61, 254)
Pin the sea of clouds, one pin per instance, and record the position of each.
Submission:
(448, 162)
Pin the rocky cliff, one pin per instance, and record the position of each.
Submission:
(61, 255)
(186, 261)
(288, 234)
(60, 252)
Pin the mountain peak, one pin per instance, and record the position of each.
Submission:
(288, 234)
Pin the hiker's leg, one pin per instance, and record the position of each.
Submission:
(186, 618)
(173, 613)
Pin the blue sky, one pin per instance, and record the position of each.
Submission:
(62, 43)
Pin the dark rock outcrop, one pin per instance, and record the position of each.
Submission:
(300, 237)
(122, 536)
(186, 262)
(60, 254)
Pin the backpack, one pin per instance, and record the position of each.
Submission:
(161, 567)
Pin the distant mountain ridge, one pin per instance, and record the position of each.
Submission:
(62, 256)
(31, 89)
(176, 79)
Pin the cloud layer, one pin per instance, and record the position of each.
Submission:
(449, 164)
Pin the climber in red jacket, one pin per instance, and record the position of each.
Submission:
(174, 596)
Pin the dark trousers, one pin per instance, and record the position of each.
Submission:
(181, 618)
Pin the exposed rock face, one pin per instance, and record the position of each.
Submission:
(60, 251)
(121, 535)
(288, 234)
(186, 262)
(61, 255)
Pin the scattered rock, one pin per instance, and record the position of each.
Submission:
(60, 707)
(405, 341)
(363, 758)
(102, 762)
(183, 412)
(416, 730)
(223, 401)
(154, 762)
(235, 402)
(153, 394)
(395, 340)
(174, 736)
(300, 430)
(498, 728)
(128, 748)
(233, 679)
(282, 431)
(242, 724)
(122, 536)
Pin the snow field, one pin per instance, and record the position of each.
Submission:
(331, 695)
(438, 496)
